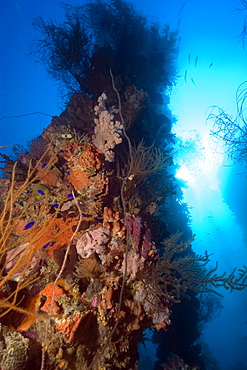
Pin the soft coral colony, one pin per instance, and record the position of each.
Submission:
(84, 270)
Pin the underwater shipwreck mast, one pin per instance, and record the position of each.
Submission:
(86, 262)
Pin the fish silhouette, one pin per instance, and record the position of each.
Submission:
(185, 76)
(193, 81)
(196, 60)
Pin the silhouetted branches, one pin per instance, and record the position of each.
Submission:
(175, 275)
(103, 35)
(243, 34)
(210, 306)
(232, 131)
(65, 48)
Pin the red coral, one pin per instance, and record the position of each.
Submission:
(50, 178)
(85, 157)
(52, 292)
(57, 233)
(68, 327)
(91, 157)
(79, 179)
(83, 162)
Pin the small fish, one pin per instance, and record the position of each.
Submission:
(46, 245)
(66, 136)
(189, 58)
(181, 8)
(30, 224)
(61, 151)
(211, 65)
(96, 219)
(68, 172)
(70, 195)
(196, 60)
(42, 190)
(84, 214)
(185, 76)
(55, 205)
(43, 165)
(49, 244)
(193, 82)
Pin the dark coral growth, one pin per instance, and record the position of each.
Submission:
(103, 35)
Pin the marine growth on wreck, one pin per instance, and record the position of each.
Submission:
(87, 260)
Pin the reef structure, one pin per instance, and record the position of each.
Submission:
(83, 272)
(71, 250)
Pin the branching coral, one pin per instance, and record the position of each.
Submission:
(17, 250)
(174, 275)
(143, 162)
(232, 131)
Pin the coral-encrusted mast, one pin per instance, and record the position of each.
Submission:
(81, 276)
(67, 202)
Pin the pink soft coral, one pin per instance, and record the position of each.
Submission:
(107, 132)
